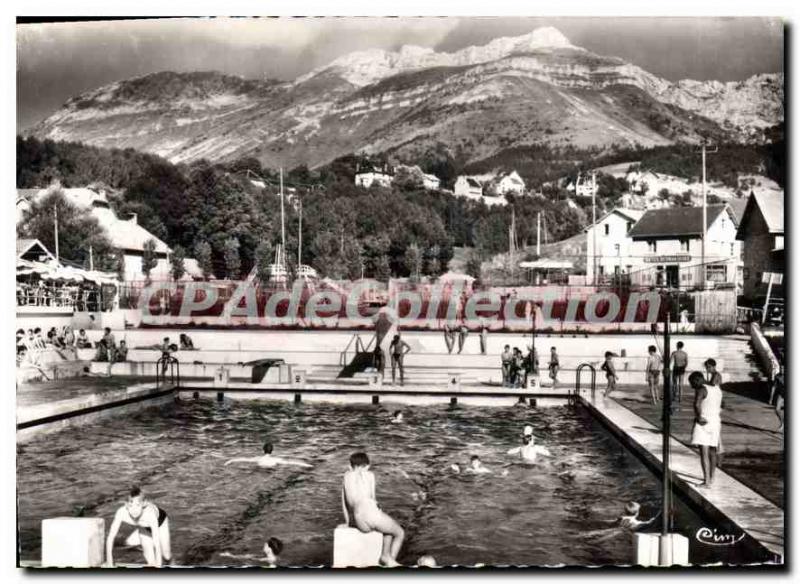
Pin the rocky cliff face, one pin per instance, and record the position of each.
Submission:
(537, 88)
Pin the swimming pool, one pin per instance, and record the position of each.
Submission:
(553, 513)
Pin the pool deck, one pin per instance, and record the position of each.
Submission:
(728, 501)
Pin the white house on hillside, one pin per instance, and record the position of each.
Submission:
(374, 177)
(431, 182)
(613, 244)
(467, 186)
(509, 182)
(582, 187)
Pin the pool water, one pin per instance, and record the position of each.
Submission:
(556, 512)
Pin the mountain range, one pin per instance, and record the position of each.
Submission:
(532, 89)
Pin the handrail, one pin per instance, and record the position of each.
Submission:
(578, 378)
(343, 355)
(167, 361)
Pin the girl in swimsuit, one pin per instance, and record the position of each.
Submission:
(358, 497)
(151, 529)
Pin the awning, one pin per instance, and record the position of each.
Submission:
(546, 265)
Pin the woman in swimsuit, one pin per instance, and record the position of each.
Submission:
(151, 529)
(358, 498)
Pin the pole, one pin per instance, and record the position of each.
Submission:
(594, 232)
(300, 239)
(283, 227)
(91, 259)
(538, 241)
(55, 228)
(766, 302)
(705, 218)
(533, 335)
(667, 407)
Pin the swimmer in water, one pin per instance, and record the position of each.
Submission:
(427, 561)
(272, 549)
(476, 466)
(630, 518)
(150, 529)
(269, 461)
(358, 502)
(529, 450)
(397, 417)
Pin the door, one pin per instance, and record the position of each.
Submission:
(672, 277)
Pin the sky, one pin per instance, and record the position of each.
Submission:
(56, 61)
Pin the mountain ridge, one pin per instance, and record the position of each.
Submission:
(535, 88)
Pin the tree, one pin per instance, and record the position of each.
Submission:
(78, 230)
(264, 257)
(473, 265)
(383, 270)
(149, 259)
(177, 259)
(413, 261)
(202, 253)
(233, 263)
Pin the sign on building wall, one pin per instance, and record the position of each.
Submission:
(667, 259)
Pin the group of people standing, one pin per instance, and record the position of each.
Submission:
(459, 334)
(516, 367)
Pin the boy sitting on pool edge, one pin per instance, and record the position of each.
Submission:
(358, 502)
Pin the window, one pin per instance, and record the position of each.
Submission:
(602, 270)
(717, 273)
(651, 246)
(733, 248)
(607, 228)
(685, 245)
(616, 248)
(779, 242)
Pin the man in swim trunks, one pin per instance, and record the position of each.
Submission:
(553, 366)
(358, 502)
(151, 529)
(529, 451)
(398, 349)
(269, 461)
(707, 425)
(679, 362)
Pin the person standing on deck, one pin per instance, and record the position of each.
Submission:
(379, 360)
(652, 371)
(714, 377)
(462, 337)
(707, 424)
(679, 360)
(449, 338)
(398, 350)
(779, 390)
(506, 360)
(611, 373)
(553, 366)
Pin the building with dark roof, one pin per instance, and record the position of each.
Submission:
(668, 248)
(761, 230)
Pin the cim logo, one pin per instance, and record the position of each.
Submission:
(710, 537)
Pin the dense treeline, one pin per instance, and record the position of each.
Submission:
(220, 213)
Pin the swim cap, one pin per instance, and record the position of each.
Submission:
(528, 431)
(632, 508)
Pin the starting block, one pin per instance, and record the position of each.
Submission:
(222, 377)
(534, 382)
(375, 380)
(647, 549)
(354, 549)
(73, 542)
(454, 381)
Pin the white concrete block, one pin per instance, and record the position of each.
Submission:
(299, 378)
(73, 542)
(454, 381)
(375, 380)
(354, 549)
(534, 382)
(648, 549)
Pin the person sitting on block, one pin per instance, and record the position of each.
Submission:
(267, 460)
(151, 529)
(358, 502)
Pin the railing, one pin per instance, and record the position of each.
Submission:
(167, 361)
(578, 378)
(359, 348)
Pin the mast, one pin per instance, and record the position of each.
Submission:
(300, 238)
(594, 231)
(55, 228)
(283, 226)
